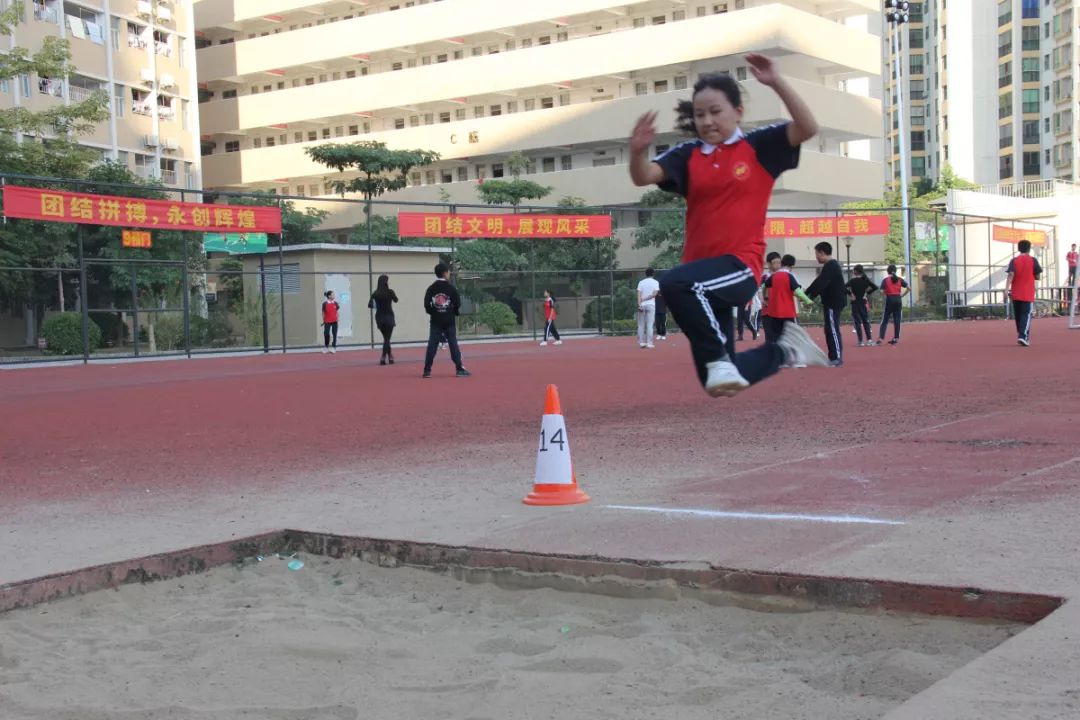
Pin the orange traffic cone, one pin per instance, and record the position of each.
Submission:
(555, 483)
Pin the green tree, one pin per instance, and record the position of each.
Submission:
(41, 143)
(489, 256)
(380, 169)
(665, 229)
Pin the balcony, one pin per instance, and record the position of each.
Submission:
(827, 48)
(843, 117)
(48, 86)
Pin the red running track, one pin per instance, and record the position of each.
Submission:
(251, 422)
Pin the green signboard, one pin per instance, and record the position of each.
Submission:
(235, 243)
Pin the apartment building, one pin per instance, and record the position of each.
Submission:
(560, 81)
(989, 90)
(141, 52)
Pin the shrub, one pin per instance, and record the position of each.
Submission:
(113, 329)
(169, 331)
(63, 334)
(497, 316)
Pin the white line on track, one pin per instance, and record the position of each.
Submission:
(839, 519)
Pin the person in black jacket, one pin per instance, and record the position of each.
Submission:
(443, 304)
(859, 290)
(382, 302)
(829, 286)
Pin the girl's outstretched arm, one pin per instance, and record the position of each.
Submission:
(803, 126)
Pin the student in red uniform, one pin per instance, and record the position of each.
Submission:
(1022, 273)
(549, 320)
(783, 288)
(894, 288)
(727, 178)
(772, 264)
(1071, 259)
(330, 309)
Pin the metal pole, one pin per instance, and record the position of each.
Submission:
(135, 307)
(532, 296)
(370, 276)
(281, 283)
(84, 300)
(902, 136)
(262, 292)
(187, 298)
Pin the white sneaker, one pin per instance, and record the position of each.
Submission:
(325, 350)
(650, 346)
(641, 345)
(800, 349)
(724, 379)
(333, 350)
(558, 342)
(543, 343)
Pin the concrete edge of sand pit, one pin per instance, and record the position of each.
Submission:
(629, 577)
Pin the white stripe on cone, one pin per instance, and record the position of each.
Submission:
(553, 466)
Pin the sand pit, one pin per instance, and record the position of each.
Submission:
(343, 640)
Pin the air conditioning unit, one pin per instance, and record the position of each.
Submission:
(163, 13)
(167, 80)
(147, 75)
(170, 144)
(143, 7)
(151, 141)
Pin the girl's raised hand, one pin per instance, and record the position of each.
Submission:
(644, 132)
(763, 68)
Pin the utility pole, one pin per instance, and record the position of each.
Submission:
(897, 13)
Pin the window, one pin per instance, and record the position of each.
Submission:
(1004, 44)
(231, 146)
(659, 20)
(511, 106)
(918, 115)
(497, 170)
(478, 111)
(1031, 163)
(1030, 9)
(530, 105)
(1004, 12)
(544, 40)
(1031, 132)
(641, 88)
(918, 166)
(396, 66)
(429, 118)
(918, 140)
(547, 103)
(740, 72)
(915, 39)
(1005, 167)
(459, 114)
(680, 82)
(353, 130)
(603, 162)
(118, 100)
(1030, 69)
(639, 22)
(660, 86)
(312, 135)
(441, 58)
(1031, 101)
(547, 164)
(271, 142)
(917, 64)
(462, 174)
(562, 37)
(429, 177)
(564, 99)
(918, 89)
(444, 117)
(283, 279)
(298, 137)
(414, 121)
(1029, 38)
(1005, 101)
(1005, 135)
(1005, 74)
(446, 176)
(349, 74)
(256, 142)
(226, 94)
(495, 110)
(566, 162)
(399, 123)
(326, 133)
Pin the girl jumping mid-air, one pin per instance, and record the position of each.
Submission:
(727, 177)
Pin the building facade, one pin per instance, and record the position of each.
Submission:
(142, 53)
(1011, 124)
(560, 81)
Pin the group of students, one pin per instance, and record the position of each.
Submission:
(442, 303)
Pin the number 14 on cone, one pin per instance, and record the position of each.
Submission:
(555, 482)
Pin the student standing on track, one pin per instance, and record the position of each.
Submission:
(647, 290)
(1022, 273)
(772, 264)
(829, 286)
(549, 320)
(859, 289)
(382, 302)
(782, 288)
(727, 177)
(894, 288)
(661, 317)
(1071, 259)
(330, 308)
(443, 303)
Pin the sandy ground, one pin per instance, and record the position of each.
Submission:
(341, 639)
